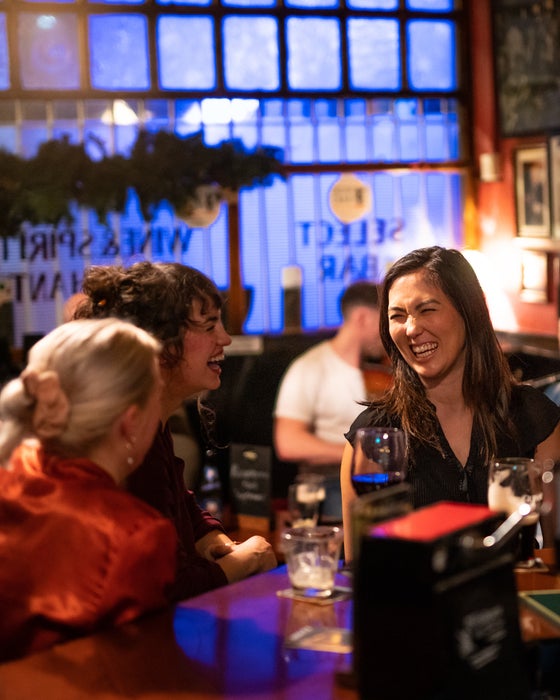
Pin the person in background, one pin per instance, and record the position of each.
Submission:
(77, 552)
(320, 393)
(181, 307)
(453, 392)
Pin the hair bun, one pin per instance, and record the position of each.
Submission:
(52, 407)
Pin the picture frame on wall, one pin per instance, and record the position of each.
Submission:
(536, 277)
(526, 59)
(554, 160)
(532, 191)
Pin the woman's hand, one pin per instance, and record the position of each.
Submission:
(244, 559)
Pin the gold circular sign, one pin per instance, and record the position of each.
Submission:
(350, 199)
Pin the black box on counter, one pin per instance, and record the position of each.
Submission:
(435, 611)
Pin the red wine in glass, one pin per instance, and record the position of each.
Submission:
(379, 459)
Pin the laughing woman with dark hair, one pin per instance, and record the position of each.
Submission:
(453, 395)
(181, 307)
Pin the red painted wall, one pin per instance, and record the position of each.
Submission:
(495, 201)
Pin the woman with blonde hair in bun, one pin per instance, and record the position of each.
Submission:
(77, 552)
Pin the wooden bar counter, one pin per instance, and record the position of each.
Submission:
(229, 643)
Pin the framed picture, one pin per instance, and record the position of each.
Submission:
(526, 60)
(554, 159)
(531, 191)
(536, 277)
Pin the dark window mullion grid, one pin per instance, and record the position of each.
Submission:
(152, 11)
(152, 17)
(219, 54)
(282, 51)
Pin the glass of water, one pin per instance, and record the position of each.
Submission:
(312, 556)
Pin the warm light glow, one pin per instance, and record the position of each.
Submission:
(499, 306)
(224, 111)
(121, 114)
(46, 21)
(216, 111)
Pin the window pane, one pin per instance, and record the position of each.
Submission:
(48, 51)
(251, 53)
(374, 54)
(188, 117)
(273, 124)
(373, 4)
(216, 120)
(4, 56)
(119, 52)
(355, 130)
(184, 2)
(120, 2)
(328, 131)
(156, 114)
(185, 48)
(300, 138)
(249, 3)
(431, 55)
(431, 5)
(311, 3)
(383, 130)
(313, 54)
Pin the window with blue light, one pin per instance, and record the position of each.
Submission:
(256, 37)
(185, 49)
(374, 52)
(431, 5)
(431, 55)
(48, 51)
(341, 47)
(4, 57)
(367, 86)
(119, 52)
(373, 4)
(313, 46)
(184, 2)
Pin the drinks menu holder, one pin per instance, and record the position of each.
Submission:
(250, 483)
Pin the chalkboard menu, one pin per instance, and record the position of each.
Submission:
(527, 65)
(250, 479)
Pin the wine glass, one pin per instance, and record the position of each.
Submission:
(514, 482)
(378, 460)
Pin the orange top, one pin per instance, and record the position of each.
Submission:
(76, 552)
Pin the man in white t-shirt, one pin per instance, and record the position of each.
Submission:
(320, 393)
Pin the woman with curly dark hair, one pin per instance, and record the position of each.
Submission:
(181, 307)
(453, 395)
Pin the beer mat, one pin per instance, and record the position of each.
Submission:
(546, 603)
(339, 593)
(334, 639)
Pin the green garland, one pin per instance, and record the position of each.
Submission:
(162, 167)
